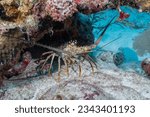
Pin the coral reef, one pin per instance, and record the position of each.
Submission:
(65, 33)
(24, 22)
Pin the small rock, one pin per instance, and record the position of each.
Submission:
(118, 58)
(107, 57)
(146, 66)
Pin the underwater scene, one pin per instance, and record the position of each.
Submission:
(75, 49)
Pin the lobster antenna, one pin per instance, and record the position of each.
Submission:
(105, 45)
(99, 39)
(66, 52)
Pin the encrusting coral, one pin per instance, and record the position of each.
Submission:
(60, 9)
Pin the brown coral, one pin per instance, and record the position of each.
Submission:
(145, 4)
(9, 43)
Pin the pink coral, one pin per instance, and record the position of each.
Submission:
(39, 9)
(59, 10)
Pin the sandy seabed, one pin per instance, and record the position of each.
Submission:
(107, 82)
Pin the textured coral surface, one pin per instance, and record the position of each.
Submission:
(60, 9)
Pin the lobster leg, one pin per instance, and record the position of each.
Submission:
(80, 70)
(66, 65)
(45, 53)
(53, 56)
(59, 66)
(91, 61)
(46, 60)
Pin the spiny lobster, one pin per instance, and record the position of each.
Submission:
(71, 54)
